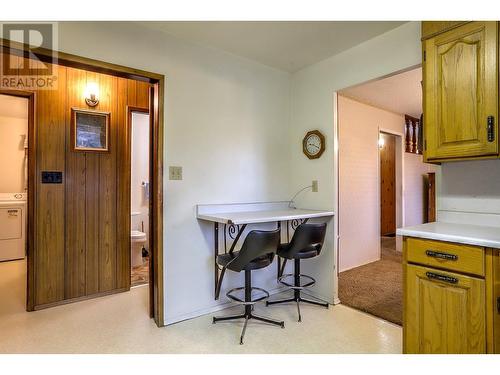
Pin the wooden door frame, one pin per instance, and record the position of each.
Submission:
(157, 133)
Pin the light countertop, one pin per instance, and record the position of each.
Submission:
(459, 233)
(263, 216)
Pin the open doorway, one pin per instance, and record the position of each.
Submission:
(15, 124)
(139, 196)
(381, 188)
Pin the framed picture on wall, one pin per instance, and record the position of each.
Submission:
(90, 130)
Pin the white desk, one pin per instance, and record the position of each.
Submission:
(266, 216)
(235, 218)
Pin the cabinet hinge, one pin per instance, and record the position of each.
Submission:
(498, 305)
(425, 55)
(425, 144)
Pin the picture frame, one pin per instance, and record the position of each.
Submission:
(90, 130)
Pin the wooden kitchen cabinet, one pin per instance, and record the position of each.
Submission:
(460, 91)
(445, 312)
(450, 298)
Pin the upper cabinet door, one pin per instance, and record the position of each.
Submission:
(461, 92)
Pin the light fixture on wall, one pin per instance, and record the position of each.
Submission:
(92, 94)
(381, 141)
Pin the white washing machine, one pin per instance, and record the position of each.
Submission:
(12, 226)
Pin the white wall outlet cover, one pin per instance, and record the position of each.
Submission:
(175, 173)
(315, 186)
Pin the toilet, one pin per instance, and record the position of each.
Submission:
(137, 241)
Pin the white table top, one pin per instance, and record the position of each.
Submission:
(263, 216)
(460, 233)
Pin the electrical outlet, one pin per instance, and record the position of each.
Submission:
(175, 173)
(315, 186)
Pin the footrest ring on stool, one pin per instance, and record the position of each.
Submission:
(282, 281)
(232, 297)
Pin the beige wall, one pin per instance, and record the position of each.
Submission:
(359, 206)
(414, 170)
(359, 183)
(13, 130)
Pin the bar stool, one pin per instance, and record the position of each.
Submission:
(306, 242)
(257, 252)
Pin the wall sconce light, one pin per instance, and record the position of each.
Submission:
(92, 94)
(381, 141)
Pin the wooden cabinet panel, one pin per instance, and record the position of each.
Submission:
(446, 255)
(444, 312)
(431, 28)
(461, 92)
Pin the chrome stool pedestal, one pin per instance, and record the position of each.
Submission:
(297, 287)
(249, 306)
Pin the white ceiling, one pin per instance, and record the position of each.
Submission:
(289, 46)
(400, 93)
(13, 106)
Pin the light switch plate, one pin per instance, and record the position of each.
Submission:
(315, 186)
(175, 173)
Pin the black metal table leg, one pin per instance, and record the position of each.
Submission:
(216, 253)
(279, 259)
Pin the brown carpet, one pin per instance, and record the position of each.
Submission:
(376, 288)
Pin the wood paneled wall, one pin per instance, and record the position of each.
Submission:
(82, 227)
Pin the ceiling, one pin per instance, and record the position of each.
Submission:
(288, 46)
(400, 93)
(13, 106)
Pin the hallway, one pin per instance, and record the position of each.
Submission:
(377, 287)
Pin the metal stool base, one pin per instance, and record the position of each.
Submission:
(247, 317)
(297, 298)
(297, 301)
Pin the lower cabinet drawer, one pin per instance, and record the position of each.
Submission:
(444, 312)
(454, 257)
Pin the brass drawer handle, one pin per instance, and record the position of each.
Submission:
(437, 276)
(440, 255)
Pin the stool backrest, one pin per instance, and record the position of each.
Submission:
(258, 243)
(307, 237)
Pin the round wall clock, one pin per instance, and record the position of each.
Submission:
(313, 144)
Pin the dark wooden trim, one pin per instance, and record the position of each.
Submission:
(157, 106)
(84, 63)
(82, 298)
(31, 223)
(156, 162)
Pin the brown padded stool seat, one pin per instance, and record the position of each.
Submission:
(308, 252)
(255, 264)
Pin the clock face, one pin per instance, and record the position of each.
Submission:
(313, 144)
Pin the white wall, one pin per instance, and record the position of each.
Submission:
(469, 192)
(414, 170)
(139, 172)
(13, 131)
(226, 124)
